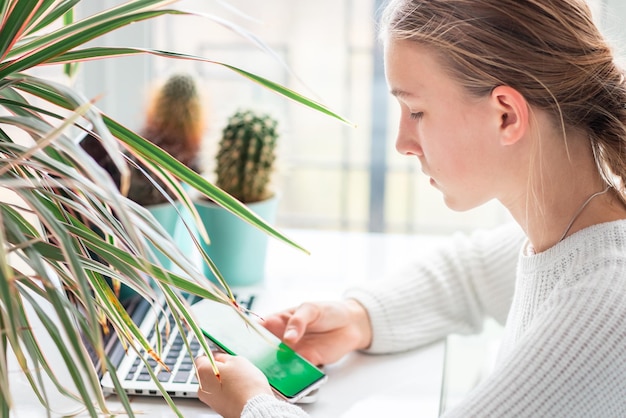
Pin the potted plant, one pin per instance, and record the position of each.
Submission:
(244, 167)
(175, 122)
(52, 258)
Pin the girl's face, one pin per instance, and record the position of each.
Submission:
(453, 135)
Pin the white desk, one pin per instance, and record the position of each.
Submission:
(406, 384)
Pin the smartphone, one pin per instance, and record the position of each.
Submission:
(291, 376)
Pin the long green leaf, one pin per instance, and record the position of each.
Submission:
(59, 46)
(61, 171)
(16, 22)
(159, 157)
(66, 98)
(71, 67)
(76, 344)
(4, 387)
(50, 11)
(71, 350)
(155, 154)
(88, 54)
(19, 316)
(90, 28)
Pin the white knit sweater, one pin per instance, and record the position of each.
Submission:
(564, 349)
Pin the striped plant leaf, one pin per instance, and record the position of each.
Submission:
(69, 228)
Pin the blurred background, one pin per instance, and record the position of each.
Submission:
(331, 175)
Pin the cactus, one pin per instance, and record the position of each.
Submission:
(175, 122)
(174, 118)
(246, 155)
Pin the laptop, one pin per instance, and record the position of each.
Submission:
(181, 380)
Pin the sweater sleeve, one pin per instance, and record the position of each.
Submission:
(267, 406)
(448, 289)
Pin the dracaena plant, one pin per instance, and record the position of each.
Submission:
(68, 227)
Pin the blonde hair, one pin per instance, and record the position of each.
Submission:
(549, 50)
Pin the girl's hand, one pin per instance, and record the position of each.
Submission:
(239, 382)
(323, 332)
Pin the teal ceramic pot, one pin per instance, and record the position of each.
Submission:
(237, 248)
(167, 215)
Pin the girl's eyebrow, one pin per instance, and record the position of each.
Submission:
(400, 94)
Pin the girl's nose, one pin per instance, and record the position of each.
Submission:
(407, 142)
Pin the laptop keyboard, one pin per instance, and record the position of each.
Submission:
(176, 356)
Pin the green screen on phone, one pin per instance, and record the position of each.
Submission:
(288, 373)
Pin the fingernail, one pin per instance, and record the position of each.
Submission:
(290, 334)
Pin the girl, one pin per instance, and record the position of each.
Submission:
(515, 100)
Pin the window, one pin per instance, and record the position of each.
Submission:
(330, 175)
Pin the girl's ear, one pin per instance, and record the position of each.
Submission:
(512, 109)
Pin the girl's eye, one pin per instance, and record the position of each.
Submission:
(416, 116)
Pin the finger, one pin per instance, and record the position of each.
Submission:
(221, 356)
(299, 321)
(205, 371)
(202, 360)
(275, 324)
